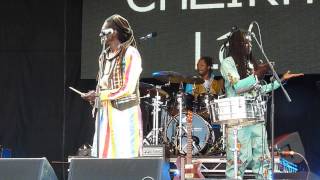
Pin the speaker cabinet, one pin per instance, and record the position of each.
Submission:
(26, 168)
(118, 169)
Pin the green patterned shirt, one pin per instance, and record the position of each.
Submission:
(235, 86)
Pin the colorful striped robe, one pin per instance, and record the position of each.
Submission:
(120, 132)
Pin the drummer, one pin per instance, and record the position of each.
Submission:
(240, 71)
(212, 85)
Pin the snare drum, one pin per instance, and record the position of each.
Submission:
(239, 110)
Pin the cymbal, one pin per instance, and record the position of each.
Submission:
(169, 76)
(194, 80)
(146, 88)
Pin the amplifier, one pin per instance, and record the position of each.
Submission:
(153, 151)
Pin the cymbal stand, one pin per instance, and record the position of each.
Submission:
(156, 102)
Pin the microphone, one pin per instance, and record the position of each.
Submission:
(149, 36)
(287, 153)
(225, 36)
(106, 32)
(250, 28)
(250, 33)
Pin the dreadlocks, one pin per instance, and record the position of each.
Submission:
(237, 50)
(125, 33)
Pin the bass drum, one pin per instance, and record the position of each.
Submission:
(202, 134)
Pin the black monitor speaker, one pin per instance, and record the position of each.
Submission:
(152, 168)
(26, 168)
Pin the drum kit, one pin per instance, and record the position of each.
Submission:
(211, 115)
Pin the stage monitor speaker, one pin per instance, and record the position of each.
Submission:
(290, 142)
(118, 169)
(26, 168)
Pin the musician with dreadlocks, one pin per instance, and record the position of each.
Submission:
(119, 134)
(241, 73)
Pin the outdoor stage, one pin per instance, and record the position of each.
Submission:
(81, 168)
(48, 46)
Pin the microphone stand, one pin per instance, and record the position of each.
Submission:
(275, 77)
(97, 99)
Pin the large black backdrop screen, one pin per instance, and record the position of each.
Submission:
(289, 31)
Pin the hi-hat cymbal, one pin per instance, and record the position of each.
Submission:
(146, 88)
(169, 76)
(194, 80)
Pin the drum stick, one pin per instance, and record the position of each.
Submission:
(77, 91)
